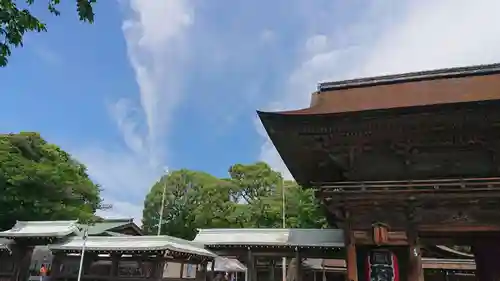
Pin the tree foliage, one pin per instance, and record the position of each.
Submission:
(15, 22)
(251, 197)
(191, 199)
(40, 181)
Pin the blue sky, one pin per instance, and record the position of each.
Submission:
(157, 83)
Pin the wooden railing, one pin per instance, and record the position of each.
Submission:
(438, 185)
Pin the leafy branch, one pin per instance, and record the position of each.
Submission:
(16, 22)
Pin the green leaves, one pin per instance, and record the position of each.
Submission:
(251, 197)
(84, 8)
(39, 181)
(15, 22)
(192, 199)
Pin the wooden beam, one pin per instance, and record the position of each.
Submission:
(458, 228)
(395, 238)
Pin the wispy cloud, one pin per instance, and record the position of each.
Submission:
(125, 177)
(47, 55)
(392, 37)
(155, 32)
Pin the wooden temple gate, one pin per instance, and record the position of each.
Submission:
(321, 252)
(402, 161)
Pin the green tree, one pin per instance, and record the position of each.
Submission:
(15, 22)
(251, 197)
(259, 191)
(40, 181)
(193, 200)
(302, 208)
(253, 181)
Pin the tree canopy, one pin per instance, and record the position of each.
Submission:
(250, 197)
(16, 21)
(40, 181)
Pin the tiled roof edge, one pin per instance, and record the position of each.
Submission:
(444, 73)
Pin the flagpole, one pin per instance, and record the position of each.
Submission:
(84, 245)
(283, 213)
(162, 207)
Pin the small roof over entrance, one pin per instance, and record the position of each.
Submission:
(45, 229)
(132, 244)
(227, 265)
(271, 237)
(114, 227)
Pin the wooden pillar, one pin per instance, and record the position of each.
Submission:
(486, 251)
(212, 270)
(160, 267)
(22, 259)
(203, 271)
(415, 270)
(115, 260)
(272, 266)
(351, 259)
(251, 273)
(88, 259)
(298, 266)
(352, 263)
(182, 270)
(55, 269)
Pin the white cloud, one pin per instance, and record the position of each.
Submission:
(267, 36)
(155, 32)
(124, 176)
(422, 34)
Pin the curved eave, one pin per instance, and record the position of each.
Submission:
(303, 111)
(293, 133)
(283, 128)
(274, 124)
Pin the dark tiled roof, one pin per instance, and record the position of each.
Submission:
(455, 72)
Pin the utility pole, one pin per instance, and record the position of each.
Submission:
(162, 207)
(283, 213)
(84, 245)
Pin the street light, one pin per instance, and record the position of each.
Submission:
(85, 234)
(162, 207)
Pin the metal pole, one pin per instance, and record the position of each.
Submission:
(162, 207)
(84, 245)
(283, 262)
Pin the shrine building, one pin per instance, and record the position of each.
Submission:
(401, 162)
